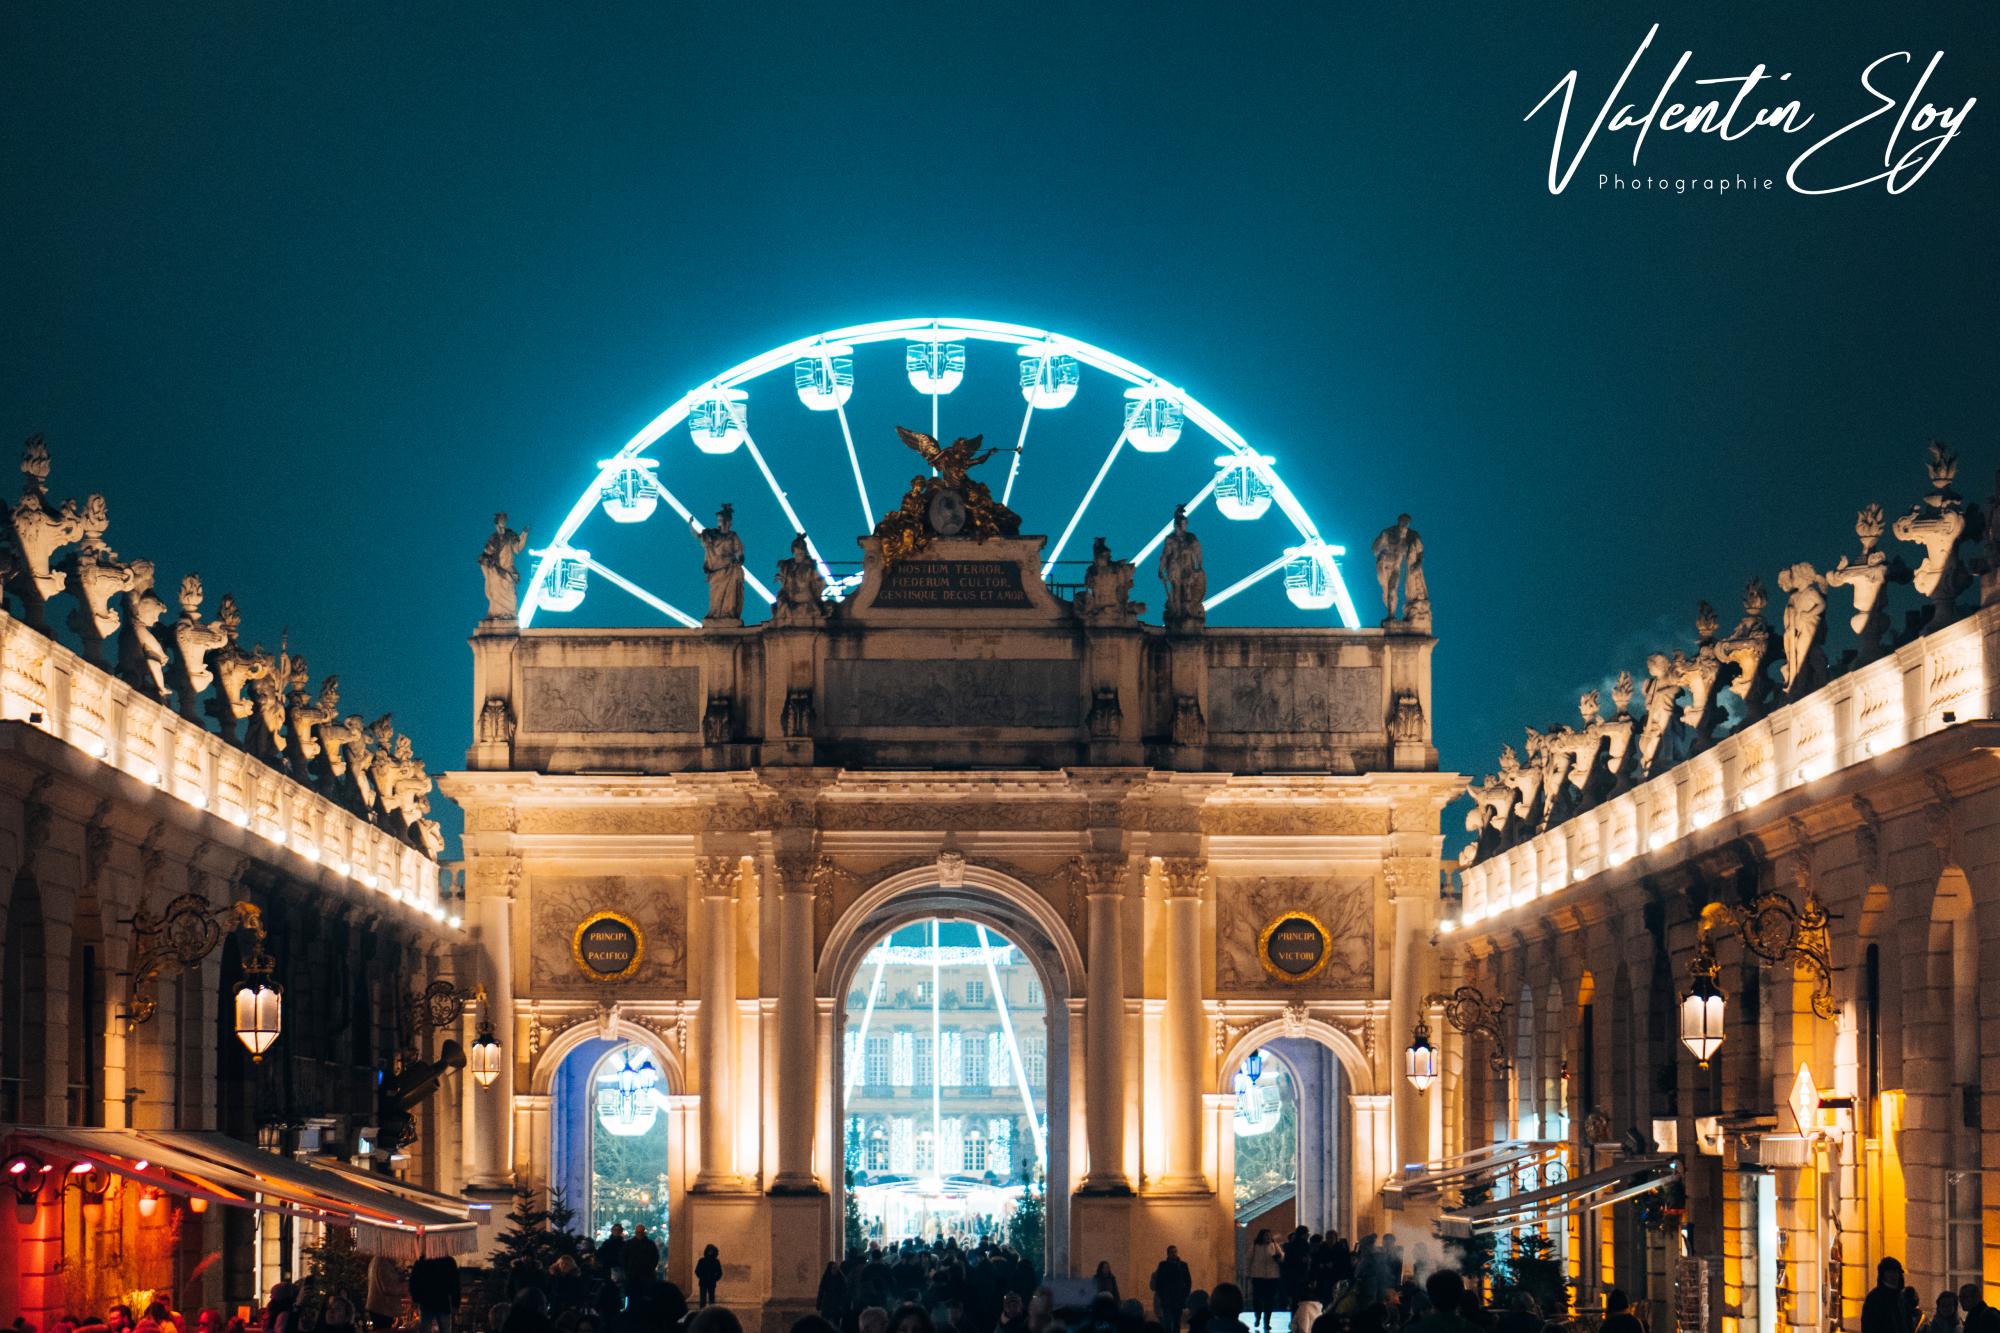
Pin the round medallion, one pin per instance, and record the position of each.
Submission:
(1294, 947)
(608, 946)
(947, 512)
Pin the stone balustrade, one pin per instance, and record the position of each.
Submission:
(1923, 687)
(46, 686)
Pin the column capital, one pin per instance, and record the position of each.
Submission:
(1101, 875)
(1181, 876)
(803, 873)
(719, 876)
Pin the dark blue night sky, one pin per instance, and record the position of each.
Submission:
(309, 292)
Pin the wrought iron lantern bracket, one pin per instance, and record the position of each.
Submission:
(179, 938)
(1470, 1013)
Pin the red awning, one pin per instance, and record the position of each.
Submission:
(207, 1165)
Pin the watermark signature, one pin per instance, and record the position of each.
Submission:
(1740, 105)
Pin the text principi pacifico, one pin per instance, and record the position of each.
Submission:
(608, 946)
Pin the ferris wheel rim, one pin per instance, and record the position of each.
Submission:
(942, 329)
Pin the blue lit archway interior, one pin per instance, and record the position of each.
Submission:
(1300, 1094)
(799, 440)
(608, 1131)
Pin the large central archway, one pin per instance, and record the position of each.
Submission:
(1038, 946)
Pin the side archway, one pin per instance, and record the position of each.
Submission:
(564, 1079)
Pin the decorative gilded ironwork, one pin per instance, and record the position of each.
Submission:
(1469, 1012)
(179, 938)
(438, 1005)
(1776, 930)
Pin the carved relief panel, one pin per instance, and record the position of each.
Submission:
(654, 905)
(1343, 907)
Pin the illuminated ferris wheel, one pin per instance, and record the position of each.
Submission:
(799, 410)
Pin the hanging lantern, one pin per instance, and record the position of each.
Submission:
(1420, 1059)
(1153, 418)
(259, 1006)
(627, 1104)
(1255, 1065)
(149, 1202)
(1242, 491)
(1048, 376)
(934, 366)
(1309, 577)
(824, 376)
(1702, 1007)
(197, 1204)
(630, 494)
(94, 1186)
(716, 421)
(563, 577)
(484, 1057)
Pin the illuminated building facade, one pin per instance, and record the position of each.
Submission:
(1805, 897)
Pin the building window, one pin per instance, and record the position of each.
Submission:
(902, 1144)
(953, 1145)
(951, 1063)
(926, 1156)
(920, 1075)
(877, 1074)
(1034, 1054)
(975, 1060)
(975, 993)
(903, 1063)
(999, 1059)
(975, 1151)
(1000, 1148)
(1034, 991)
(878, 1150)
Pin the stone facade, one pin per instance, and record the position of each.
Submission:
(1120, 801)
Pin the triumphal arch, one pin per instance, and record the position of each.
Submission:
(706, 845)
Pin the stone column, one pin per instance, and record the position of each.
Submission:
(719, 878)
(491, 1153)
(1104, 1032)
(1181, 1025)
(798, 1053)
(1373, 1157)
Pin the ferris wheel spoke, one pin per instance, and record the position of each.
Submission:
(854, 460)
(1014, 468)
(1161, 535)
(1244, 582)
(1088, 496)
(694, 527)
(791, 514)
(667, 608)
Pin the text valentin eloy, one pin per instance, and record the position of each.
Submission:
(1913, 130)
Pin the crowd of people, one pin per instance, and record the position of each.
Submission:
(1318, 1283)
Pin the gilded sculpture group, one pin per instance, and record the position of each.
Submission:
(1686, 703)
(200, 666)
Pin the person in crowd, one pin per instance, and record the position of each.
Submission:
(1013, 1314)
(385, 1292)
(1171, 1282)
(1444, 1292)
(1306, 1313)
(642, 1259)
(714, 1319)
(1265, 1258)
(434, 1290)
(1225, 1309)
(1944, 1318)
(1105, 1280)
(911, 1318)
(814, 1323)
(707, 1273)
(872, 1319)
(831, 1301)
(339, 1315)
(1883, 1307)
(611, 1251)
(1618, 1316)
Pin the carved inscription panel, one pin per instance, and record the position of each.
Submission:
(1295, 699)
(1001, 693)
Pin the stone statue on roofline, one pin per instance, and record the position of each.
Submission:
(1805, 629)
(1182, 573)
(39, 533)
(305, 720)
(497, 567)
(1107, 588)
(194, 640)
(95, 575)
(1662, 691)
(1867, 580)
(1748, 649)
(233, 669)
(142, 658)
(1701, 676)
(268, 694)
(1399, 571)
(801, 589)
(722, 562)
(1939, 523)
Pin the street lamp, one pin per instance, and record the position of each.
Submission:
(1420, 1058)
(260, 1005)
(1254, 1065)
(1702, 1006)
(485, 1053)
